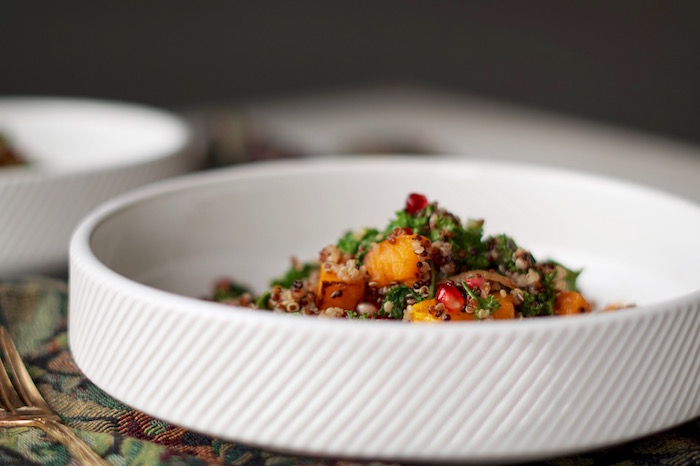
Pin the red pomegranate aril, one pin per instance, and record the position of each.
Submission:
(474, 282)
(415, 203)
(450, 297)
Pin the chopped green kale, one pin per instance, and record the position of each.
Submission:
(504, 246)
(467, 243)
(263, 300)
(294, 274)
(397, 297)
(229, 291)
(418, 223)
(489, 303)
(542, 302)
(570, 279)
(358, 243)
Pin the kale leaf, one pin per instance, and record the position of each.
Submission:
(542, 302)
(294, 274)
(397, 297)
(358, 244)
(418, 223)
(469, 240)
(571, 276)
(263, 300)
(490, 303)
(228, 291)
(504, 246)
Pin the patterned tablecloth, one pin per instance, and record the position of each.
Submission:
(36, 312)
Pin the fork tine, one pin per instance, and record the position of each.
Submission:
(24, 387)
(10, 400)
(26, 407)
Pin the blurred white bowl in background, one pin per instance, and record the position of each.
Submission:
(79, 153)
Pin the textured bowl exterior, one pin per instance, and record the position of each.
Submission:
(39, 209)
(497, 391)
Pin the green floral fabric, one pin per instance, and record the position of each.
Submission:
(36, 310)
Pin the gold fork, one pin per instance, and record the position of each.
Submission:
(23, 405)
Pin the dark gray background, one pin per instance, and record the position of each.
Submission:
(630, 63)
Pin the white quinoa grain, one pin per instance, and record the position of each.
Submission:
(518, 296)
(560, 278)
(417, 246)
(521, 263)
(365, 309)
(331, 313)
(532, 276)
(293, 307)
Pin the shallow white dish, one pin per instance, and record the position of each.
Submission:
(79, 153)
(494, 391)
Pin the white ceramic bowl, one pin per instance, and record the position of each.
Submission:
(492, 391)
(79, 153)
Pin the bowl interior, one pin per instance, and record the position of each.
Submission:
(635, 245)
(63, 134)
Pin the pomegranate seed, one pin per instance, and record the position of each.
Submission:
(474, 282)
(415, 203)
(450, 297)
(407, 230)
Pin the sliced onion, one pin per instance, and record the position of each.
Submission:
(485, 274)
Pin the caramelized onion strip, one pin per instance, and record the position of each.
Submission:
(485, 274)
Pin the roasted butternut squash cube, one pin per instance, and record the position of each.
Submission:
(507, 308)
(421, 311)
(395, 260)
(424, 311)
(570, 303)
(333, 292)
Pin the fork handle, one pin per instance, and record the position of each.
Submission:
(77, 448)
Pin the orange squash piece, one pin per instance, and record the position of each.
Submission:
(570, 303)
(507, 309)
(333, 292)
(455, 316)
(421, 311)
(395, 261)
